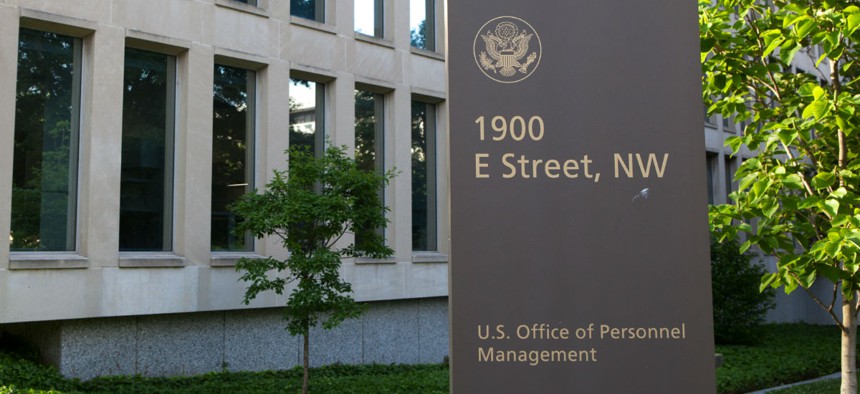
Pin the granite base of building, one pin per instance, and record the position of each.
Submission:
(400, 332)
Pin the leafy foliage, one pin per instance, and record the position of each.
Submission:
(802, 188)
(310, 211)
(29, 377)
(786, 353)
(790, 67)
(310, 208)
(739, 307)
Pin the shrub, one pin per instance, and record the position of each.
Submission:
(739, 306)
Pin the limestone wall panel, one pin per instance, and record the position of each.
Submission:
(244, 32)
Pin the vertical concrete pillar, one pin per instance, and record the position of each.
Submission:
(101, 145)
(8, 70)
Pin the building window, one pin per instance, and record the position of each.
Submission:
(249, 2)
(709, 119)
(370, 139)
(369, 17)
(308, 9)
(423, 177)
(730, 169)
(232, 152)
(146, 185)
(422, 24)
(307, 114)
(44, 173)
(729, 124)
(711, 162)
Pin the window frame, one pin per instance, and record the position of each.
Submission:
(379, 16)
(321, 108)
(252, 80)
(171, 131)
(712, 174)
(73, 225)
(431, 140)
(379, 96)
(320, 12)
(430, 22)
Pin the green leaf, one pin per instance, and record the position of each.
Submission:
(745, 247)
(793, 181)
(760, 187)
(831, 207)
(818, 92)
(843, 125)
(804, 27)
(707, 44)
(839, 220)
(772, 45)
(823, 180)
(839, 193)
(852, 23)
(817, 109)
(830, 272)
(809, 202)
(768, 280)
(788, 50)
(820, 59)
(808, 89)
(735, 143)
(769, 208)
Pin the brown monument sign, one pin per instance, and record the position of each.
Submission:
(579, 259)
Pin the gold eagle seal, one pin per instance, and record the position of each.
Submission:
(507, 49)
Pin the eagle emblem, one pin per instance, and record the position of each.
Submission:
(506, 54)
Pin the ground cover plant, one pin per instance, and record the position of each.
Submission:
(785, 353)
(20, 375)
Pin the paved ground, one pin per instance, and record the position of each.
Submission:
(833, 376)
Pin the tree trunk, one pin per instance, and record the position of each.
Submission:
(307, 362)
(849, 347)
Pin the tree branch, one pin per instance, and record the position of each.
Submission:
(813, 60)
(761, 49)
(840, 134)
(818, 301)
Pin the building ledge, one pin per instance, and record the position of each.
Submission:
(429, 257)
(304, 22)
(367, 260)
(427, 53)
(374, 40)
(47, 260)
(243, 7)
(150, 260)
(229, 259)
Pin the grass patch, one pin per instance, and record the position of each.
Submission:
(824, 386)
(787, 353)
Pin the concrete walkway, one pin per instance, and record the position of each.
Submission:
(832, 376)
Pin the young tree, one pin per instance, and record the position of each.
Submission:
(790, 67)
(310, 208)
